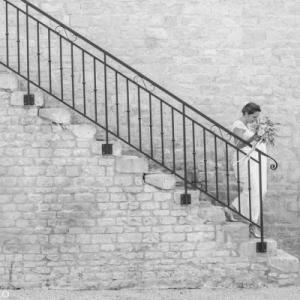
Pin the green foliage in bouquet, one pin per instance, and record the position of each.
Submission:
(268, 130)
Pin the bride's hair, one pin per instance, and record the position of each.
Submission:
(250, 108)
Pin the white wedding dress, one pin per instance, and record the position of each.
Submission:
(242, 203)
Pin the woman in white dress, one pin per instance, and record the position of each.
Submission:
(245, 166)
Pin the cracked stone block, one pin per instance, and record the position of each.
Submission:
(56, 115)
(161, 180)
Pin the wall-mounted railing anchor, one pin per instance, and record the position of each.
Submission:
(261, 247)
(185, 199)
(107, 149)
(29, 99)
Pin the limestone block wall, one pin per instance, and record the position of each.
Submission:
(71, 218)
(217, 55)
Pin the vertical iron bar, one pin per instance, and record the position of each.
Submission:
(238, 179)
(128, 109)
(38, 52)
(194, 153)
(6, 33)
(49, 60)
(27, 39)
(162, 133)
(18, 38)
(83, 83)
(173, 140)
(106, 105)
(261, 200)
(216, 168)
(140, 118)
(249, 188)
(184, 149)
(205, 158)
(72, 75)
(95, 89)
(117, 102)
(61, 69)
(227, 176)
(150, 124)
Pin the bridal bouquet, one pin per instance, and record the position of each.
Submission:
(267, 130)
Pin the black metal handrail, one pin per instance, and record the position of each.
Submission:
(167, 109)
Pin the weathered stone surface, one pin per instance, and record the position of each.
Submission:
(56, 115)
(131, 164)
(236, 232)
(211, 213)
(248, 248)
(284, 262)
(8, 81)
(17, 98)
(83, 131)
(161, 180)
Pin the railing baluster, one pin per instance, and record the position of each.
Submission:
(173, 141)
(249, 189)
(18, 38)
(106, 104)
(150, 125)
(95, 89)
(205, 158)
(49, 61)
(238, 179)
(128, 110)
(117, 102)
(83, 83)
(27, 44)
(162, 133)
(227, 175)
(263, 246)
(61, 69)
(38, 52)
(72, 75)
(216, 167)
(194, 154)
(140, 118)
(6, 32)
(184, 150)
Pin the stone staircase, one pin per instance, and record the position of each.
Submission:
(73, 218)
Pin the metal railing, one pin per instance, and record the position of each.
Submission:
(131, 107)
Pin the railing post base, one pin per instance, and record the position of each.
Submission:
(185, 199)
(261, 247)
(29, 99)
(107, 149)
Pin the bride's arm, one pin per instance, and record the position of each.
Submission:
(241, 133)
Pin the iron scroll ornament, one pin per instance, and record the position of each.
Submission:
(62, 31)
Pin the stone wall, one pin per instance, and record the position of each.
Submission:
(217, 55)
(72, 218)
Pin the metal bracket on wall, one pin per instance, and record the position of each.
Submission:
(185, 199)
(29, 99)
(107, 149)
(261, 247)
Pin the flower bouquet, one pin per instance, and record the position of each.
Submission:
(267, 130)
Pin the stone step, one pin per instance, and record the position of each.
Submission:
(131, 164)
(8, 82)
(56, 115)
(17, 99)
(248, 248)
(211, 213)
(83, 131)
(160, 180)
(284, 262)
